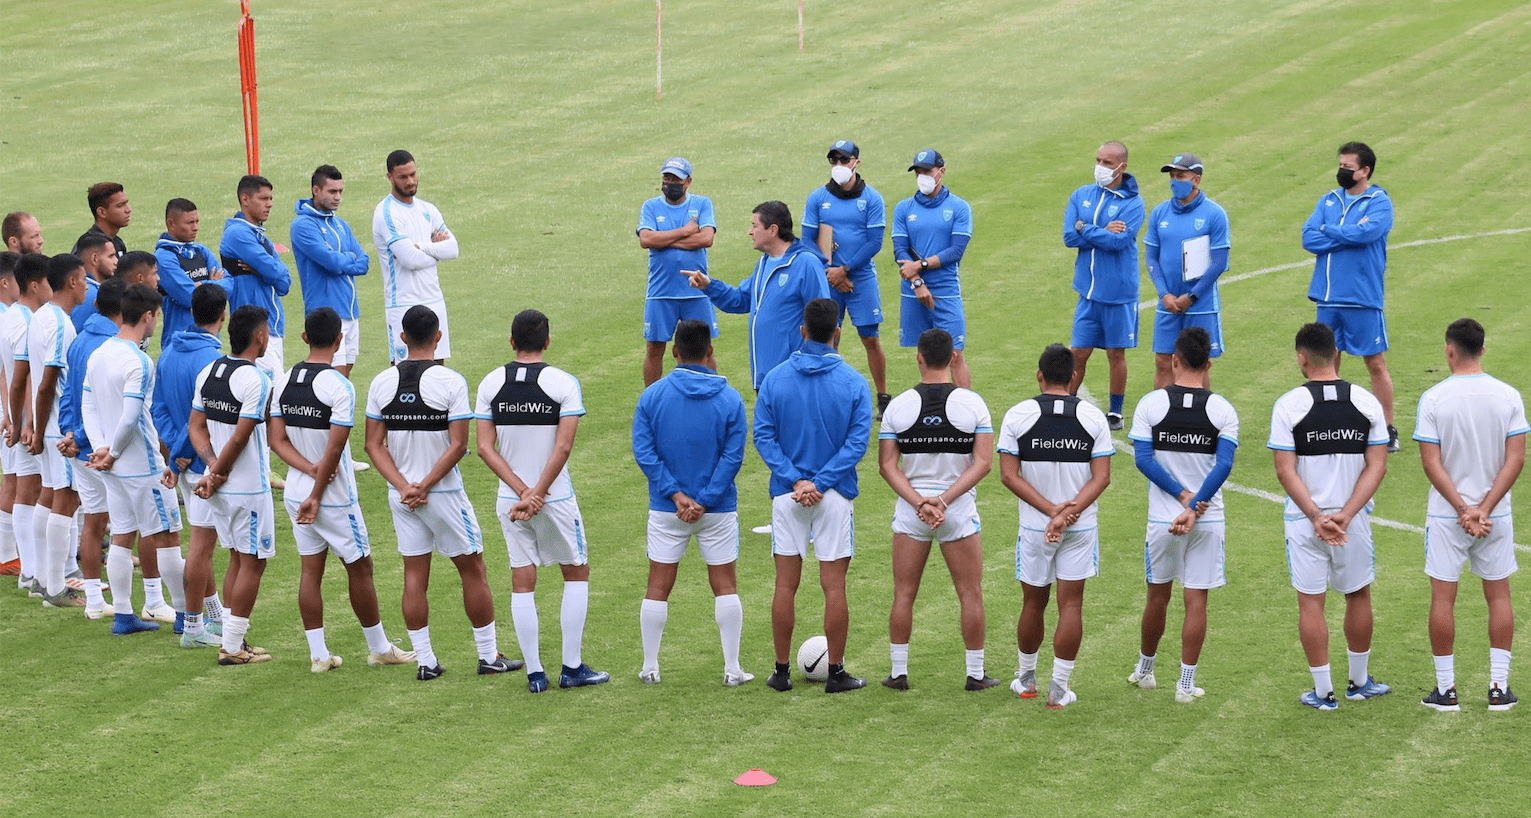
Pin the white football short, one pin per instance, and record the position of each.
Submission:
(555, 535)
(350, 342)
(1194, 558)
(21, 462)
(1316, 566)
(272, 362)
(245, 523)
(137, 505)
(394, 317)
(717, 537)
(1040, 563)
(91, 486)
(830, 525)
(961, 520)
(1448, 548)
(446, 525)
(340, 530)
(199, 512)
(57, 470)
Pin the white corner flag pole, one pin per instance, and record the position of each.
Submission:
(799, 26)
(658, 50)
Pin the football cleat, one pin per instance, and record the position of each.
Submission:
(899, 682)
(322, 665)
(393, 656)
(11, 568)
(1060, 696)
(157, 614)
(582, 676)
(1321, 703)
(1145, 681)
(124, 624)
(201, 640)
(1501, 699)
(499, 665)
(1371, 690)
(980, 684)
(245, 656)
(1187, 695)
(33, 588)
(426, 674)
(649, 675)
(97, 613)
(1392, 439)
(1444, 702)
(779, 681)
(1114, 421)
(1025, 684)
(180, 623)
(67, 598)
(843, 681)
(883, 399)
(537, 682)
(736, 679)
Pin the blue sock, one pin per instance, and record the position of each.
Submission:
(1116, 403)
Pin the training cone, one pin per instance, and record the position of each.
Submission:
(755, 778)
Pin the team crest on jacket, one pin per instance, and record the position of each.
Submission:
(1111, 211)
(694, 214)
(1200, 223)
(861, 205)
(781, 280)
(946, 215)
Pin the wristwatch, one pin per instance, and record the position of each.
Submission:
(924, 265)
(916, 283)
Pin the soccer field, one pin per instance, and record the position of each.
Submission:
(539, 136)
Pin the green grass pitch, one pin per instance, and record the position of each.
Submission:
(538, 135)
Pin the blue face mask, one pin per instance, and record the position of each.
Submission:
(1180, 188)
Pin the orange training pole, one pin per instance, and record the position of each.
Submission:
(247, 87)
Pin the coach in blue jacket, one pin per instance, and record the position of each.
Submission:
(789, 274)
(813, 419)
(329, 259)
(259, 277)
(1348, 234)
(1101, 221)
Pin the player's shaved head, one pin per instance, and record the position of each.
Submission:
(1317, 342)
(1056, 365)
(1194, 348)
(935, 346)
(1467, 336)
(692, 338)
(1118, 148)
(529, 331)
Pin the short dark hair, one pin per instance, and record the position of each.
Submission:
(1467, 336)
(1056, 365)
(1194, 347)
(179, 206)
(8, 261)
(777, 213)
(250, 184)
(1317, 340)
(935, 346)
(97, 194)
(529, 331)
(61, 267)
(132, 260)
(208, 301)
(322, 326)
(109, 297)
(322, 174)
(1363, 154)
(93, 241)
(138, 300)
(10, 227)
(420, 324)
(32, 267)
(820, 318)
(692, 337)
(399, 157)
(243, 325)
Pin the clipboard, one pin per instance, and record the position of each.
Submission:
(1195, 257)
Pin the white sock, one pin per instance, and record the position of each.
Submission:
(728, 612)
(119, 576)
(234, 630)
(1445, 672)
(8, 549)
(651, 620)
(93, 598)
(21, 520)
(1358, 669)
(420, 640)
(40, 555)
(1323, 685)
(1145, 664)
(975, 663)
(192, 624)
(377, 639)
(1499, 667)
(487, 643)
(72, 554)
(154, 597)
(1187, 676)
(571, 619)
(1062, 670)
(523, 617)
(172, 568)
(1026, 662)
(317, 650)
(213, 607)
(56, 535)
(898, 656)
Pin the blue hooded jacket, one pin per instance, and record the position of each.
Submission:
(265, 287)
(328, 259)
(813, 420)
(1352, 257)
(688, 435)
(175, 379)
(183, 266)
(774, 295)
(97, 329)
(1106, 269)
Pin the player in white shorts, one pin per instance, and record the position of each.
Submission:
(31, 276)
(417, 431)
(1471, 430)
(311, 419)
(813, 417)
(227, 429)
(935, 445)
(1054, 454)
(10, 554)
(527, 414)
(411, 237)
(1330, 440)
(688, 438)
(1183, 436)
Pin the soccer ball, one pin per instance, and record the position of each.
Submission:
(813, 659)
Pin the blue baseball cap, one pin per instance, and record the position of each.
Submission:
(676, 166)
(846, 147)
(927, 160)
(1183, 161)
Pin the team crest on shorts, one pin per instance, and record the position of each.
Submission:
(946, 215)
(1200, 223)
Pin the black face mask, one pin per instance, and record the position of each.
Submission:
(673, 192)
(1346, 177)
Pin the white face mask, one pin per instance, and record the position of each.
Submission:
(926, 183)
(841, 174)
(1104, 175)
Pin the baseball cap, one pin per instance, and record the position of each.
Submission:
(846, 147)
(927, 159)
(676, 166)
(1183, 161)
